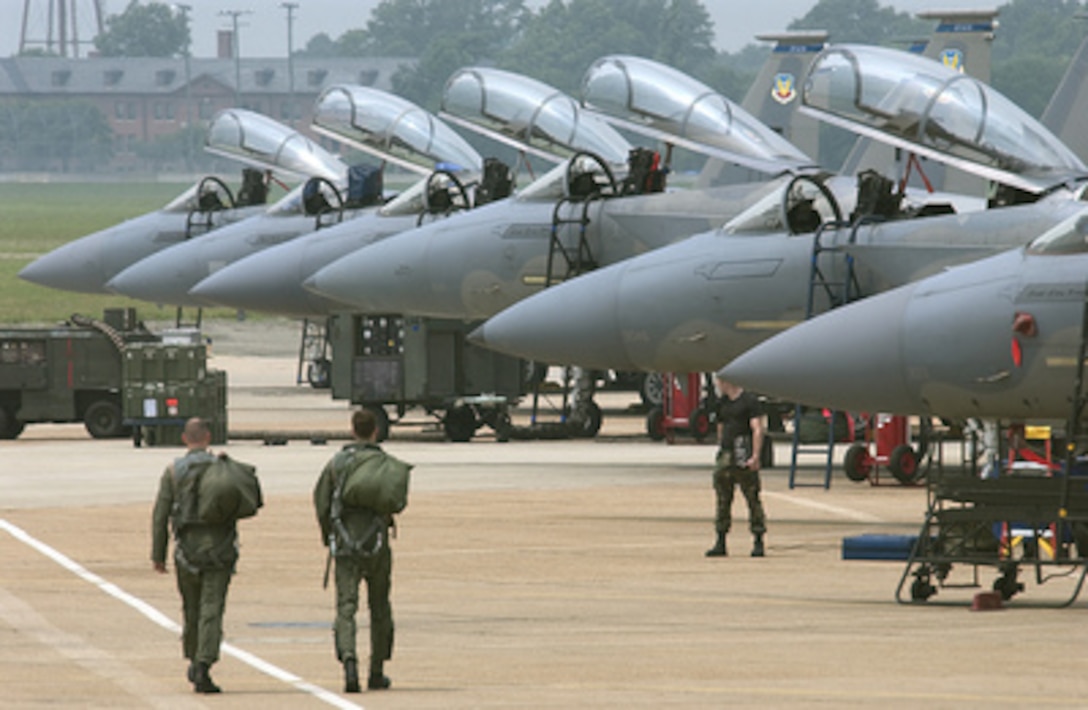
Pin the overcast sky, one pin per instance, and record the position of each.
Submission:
(263, 32)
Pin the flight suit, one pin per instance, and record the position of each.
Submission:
(204, 560)
(353, 568)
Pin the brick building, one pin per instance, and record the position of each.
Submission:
(148, 98)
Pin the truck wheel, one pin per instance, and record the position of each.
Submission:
(903, 463)
(655, 424)
(459, 423)
(699, 424)
(10, 427)
(857, 463)
(103, 420)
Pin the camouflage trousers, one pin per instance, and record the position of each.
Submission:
(726, 479)
(350, 572)
(203, 601)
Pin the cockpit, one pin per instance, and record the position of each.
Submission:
(528, 115)
(921, 105)
(391, 128)
(261, 142)
(662, 103)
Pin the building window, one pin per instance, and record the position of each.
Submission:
(367, 77)
(165, 77)
(315, 77)
(205, 110)
(130, 110)
(169, 110)
(119, 110)
(264, 76)
(61, 77)
(157, 110)
(112, 77)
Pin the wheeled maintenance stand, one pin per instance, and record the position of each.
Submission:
(389, 361)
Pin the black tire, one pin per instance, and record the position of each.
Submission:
(921, 590)
(459, 423)
(588, 425)
(903, 463)
(103, 420)
(382, 418)
(699, 424)
(857, 464)
(10, 427)
(318, 374)
(655, 424)
(652, 391)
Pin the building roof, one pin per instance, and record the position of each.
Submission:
(29, 76)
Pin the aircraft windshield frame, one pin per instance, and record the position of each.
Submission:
(1069, 237)
(549, 186)
(255, 139)
(661, 102)
(530, 112)
(901, 97)
(391, 128)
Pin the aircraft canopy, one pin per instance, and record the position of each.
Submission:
(660, 102)
(528, 115)
(255, 139)
(916, 103)
(391, 129)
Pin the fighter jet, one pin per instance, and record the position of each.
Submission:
(996, 338)
(483, 261)
(695, 305)
(512, 109)
(88, 263)
(380, 123)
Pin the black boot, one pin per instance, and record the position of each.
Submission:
(377, 679)
(202, 680)
(351, 676)
(719, 547)
(757, 546)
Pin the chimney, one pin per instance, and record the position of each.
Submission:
(225, 44)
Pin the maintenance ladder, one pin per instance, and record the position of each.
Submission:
(839, 292)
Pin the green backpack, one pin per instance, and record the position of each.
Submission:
(374, 479)
(214, 490)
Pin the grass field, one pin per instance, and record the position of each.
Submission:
(38, 217)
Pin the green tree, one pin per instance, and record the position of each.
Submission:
(1033, 47)
(860, 21)
(561, 41)
(151, 30)
(54, 135)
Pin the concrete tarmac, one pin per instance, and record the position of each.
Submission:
(547, 574)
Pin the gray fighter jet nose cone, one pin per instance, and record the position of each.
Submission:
(572, 324)
(160, 278)
(850, 358)
(389, 276)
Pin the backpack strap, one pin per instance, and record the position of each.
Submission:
(376, 530)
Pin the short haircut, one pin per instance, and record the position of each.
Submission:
(197, 430)
(363, 423)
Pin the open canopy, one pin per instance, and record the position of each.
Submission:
(665, 104)
(527, 114)
(255, 139)
(921, 105)
(392, 129)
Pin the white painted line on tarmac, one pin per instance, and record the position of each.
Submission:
(169, 624)
(848, 513)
